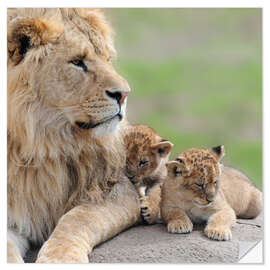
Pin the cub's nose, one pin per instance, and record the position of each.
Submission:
(210, 198)
(119, 96)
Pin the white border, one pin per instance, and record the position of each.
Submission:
(139, 3)
(3, 133)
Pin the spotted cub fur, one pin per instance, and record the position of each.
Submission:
(191, 193)
(147, 154)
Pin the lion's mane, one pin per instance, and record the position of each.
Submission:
(53, 166)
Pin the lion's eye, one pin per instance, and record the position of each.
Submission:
(79, 63)
(142, 163)
(199, 185)
(215, 183)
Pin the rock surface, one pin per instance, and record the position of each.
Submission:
(152, 244)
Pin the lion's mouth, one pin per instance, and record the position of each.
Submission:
(89, 125)
(133, 181)
(202, 205)
(130, 175)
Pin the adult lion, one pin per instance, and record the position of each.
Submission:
(65, 156)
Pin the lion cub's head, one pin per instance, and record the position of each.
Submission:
(60, 71)
(197, 171)
(147, 152)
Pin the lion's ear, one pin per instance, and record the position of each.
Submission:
(26, 33)
(162, 149)
(176, 168)
(218, 151)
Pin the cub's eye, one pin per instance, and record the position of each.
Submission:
(177, 171)
(79, 63)
(142, 163)
(215, 183)
(199, 185)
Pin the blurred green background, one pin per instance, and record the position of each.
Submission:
(196, 78)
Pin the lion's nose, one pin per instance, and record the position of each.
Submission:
(119, 96)
(210, 198)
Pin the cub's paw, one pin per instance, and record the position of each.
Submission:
(218, 233)
(148, 212)
(180, 226)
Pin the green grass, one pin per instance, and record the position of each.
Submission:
(185, 74)
(196, 78)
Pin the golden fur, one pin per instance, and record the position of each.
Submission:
(240, 193)
(65, 152)
(196, 191)
(147, 154)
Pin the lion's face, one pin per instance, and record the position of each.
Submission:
(84, 86)
(146, 152)
(73, 75)
(197, 172)
(144, 159)
(141, 164)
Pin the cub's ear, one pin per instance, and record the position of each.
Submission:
(175, 168)
(163, 149)
(218, 151)
(26, 33)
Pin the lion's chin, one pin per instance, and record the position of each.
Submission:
(108, 127)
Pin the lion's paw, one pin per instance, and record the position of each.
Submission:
(179, 226)
(147, 211)
(218, 233)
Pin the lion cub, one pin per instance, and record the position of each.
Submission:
(191, 193)
(196, 191)
(146, 158)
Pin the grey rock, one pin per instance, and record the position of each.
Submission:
(153, 244)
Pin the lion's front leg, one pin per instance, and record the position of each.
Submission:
(219, 224)
(85, 226)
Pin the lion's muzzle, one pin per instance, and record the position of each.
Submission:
(119, 96)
